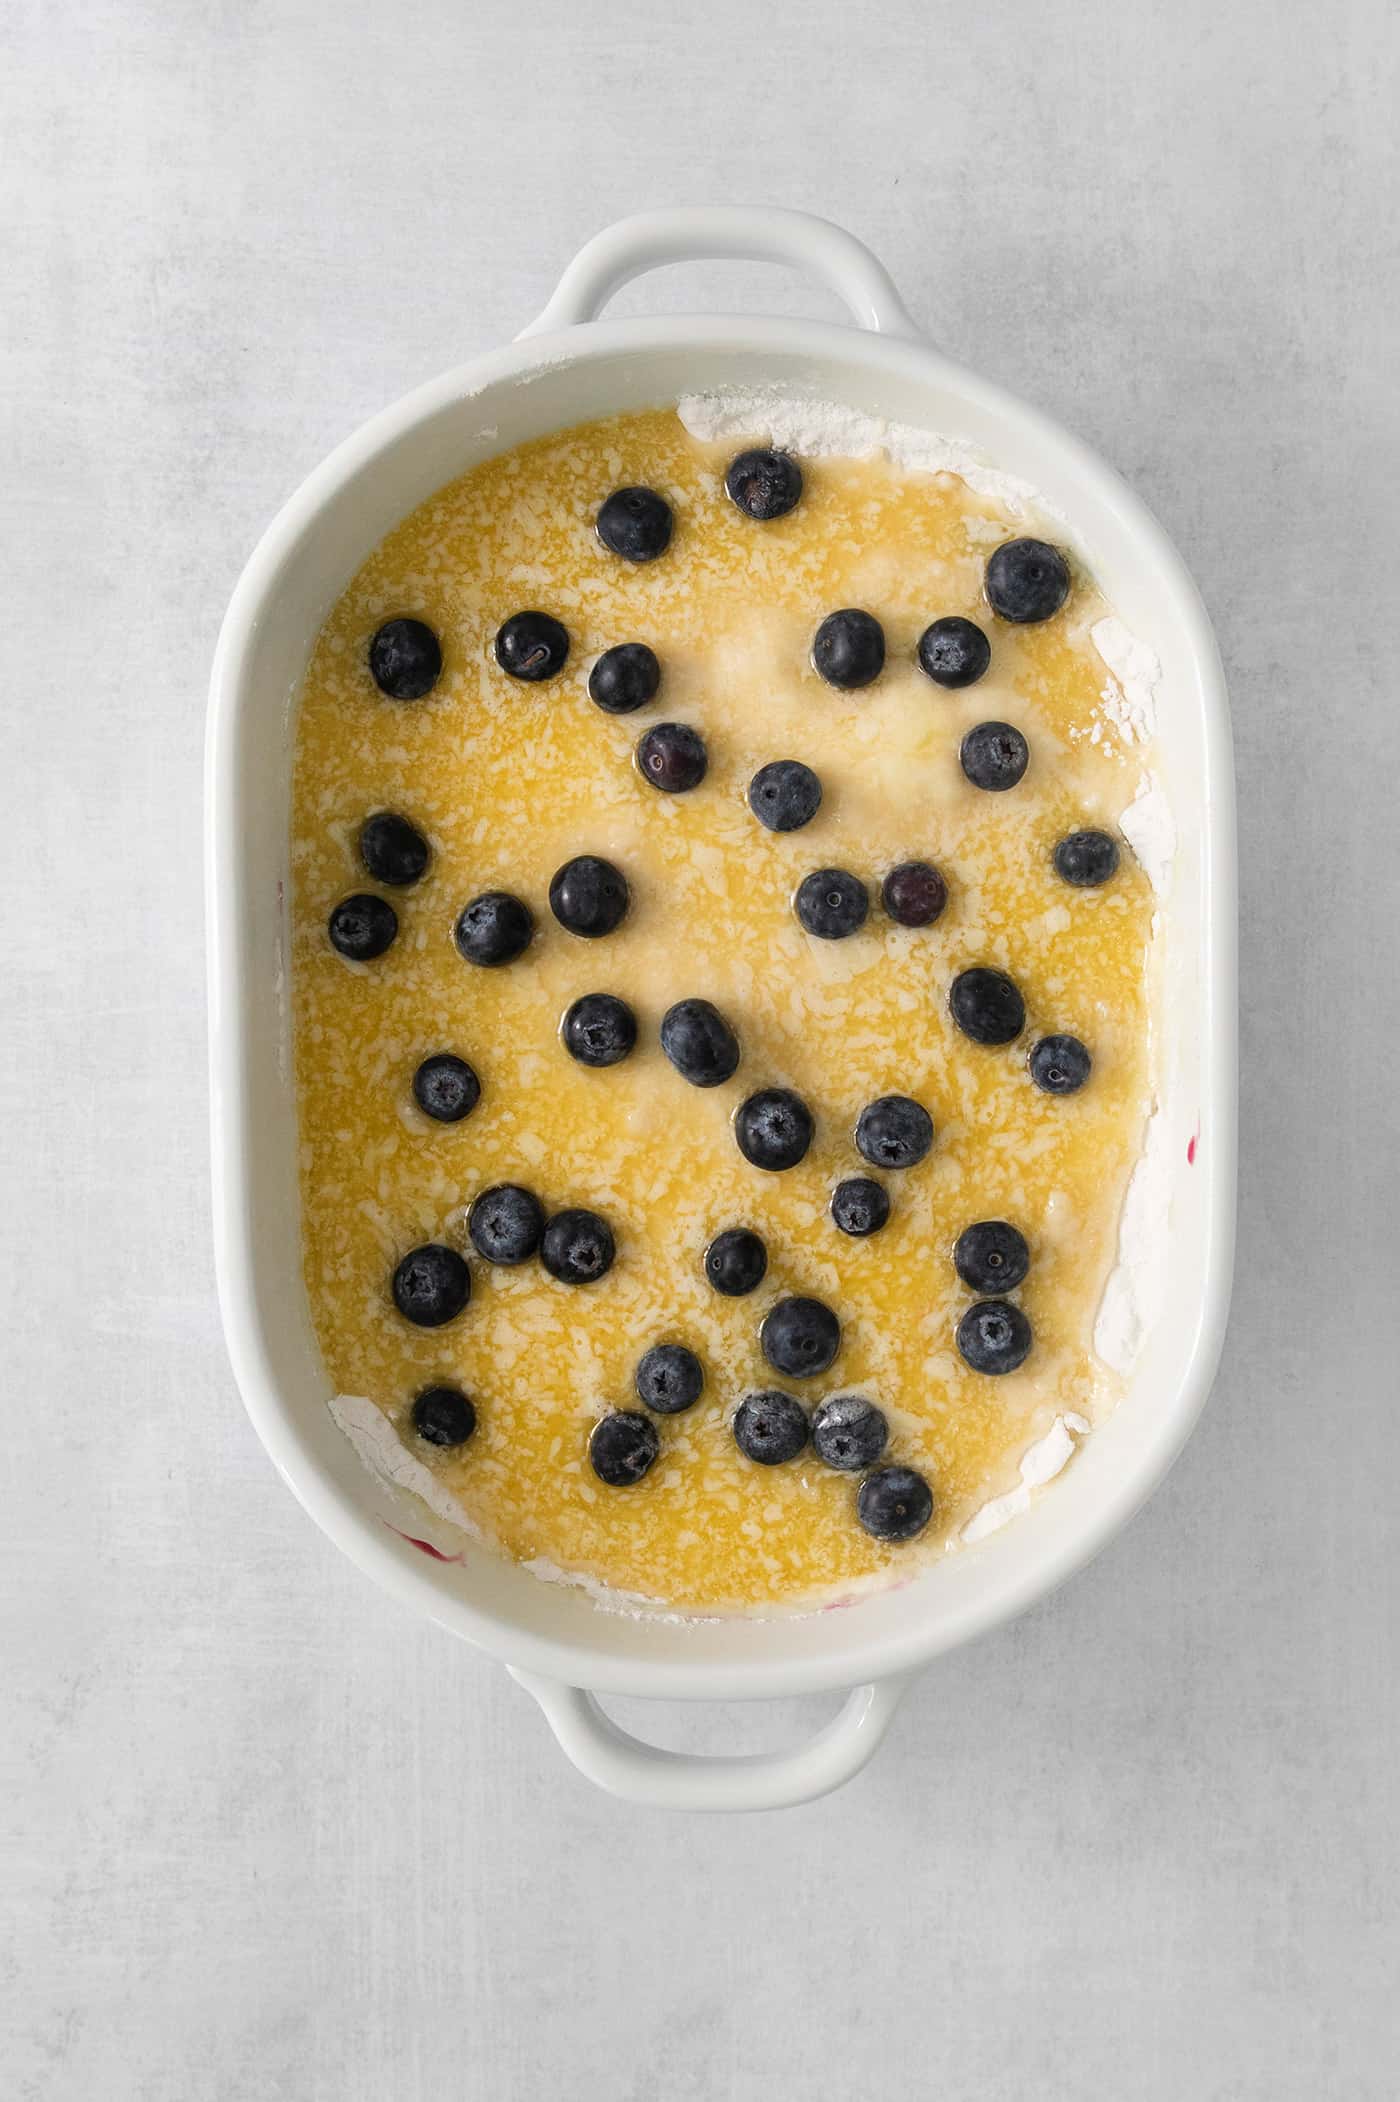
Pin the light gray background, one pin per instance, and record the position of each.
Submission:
(269, 1835)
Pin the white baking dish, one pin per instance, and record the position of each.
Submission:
(567, 367)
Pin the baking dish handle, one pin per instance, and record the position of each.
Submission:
(700, 233)
(626, 1766)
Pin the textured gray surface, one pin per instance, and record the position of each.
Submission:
(267, 1835)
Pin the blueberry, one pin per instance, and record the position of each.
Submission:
(914, 894)
(994, 756)
(954, 652)
(1060, 1065)
(1027, 580)
(987, 1006)
(636, 524)
(770, 1428)
(577, 1247)
(588, 896)
(505, 1224)
(392, 850)
(774, 1128)
(699, 1043)
(859, 1206)
(622, 1447)
(800, 1337)
(849, 1433)
(493, 928)
(764, 484)
(431, 1285)
(991, 1256)
(624, 678)
(785, 795)
(672, 757)
(994, 1336)
(532, 646)
(894, 1132)
(831, 903)
(1086, 859)
(443, 1416)
(894, 1503)
(445, 1088)
(736, 1262)
(599, 1029)
(669, 1378)
(362, 926)
(405, 659)
(848, 649)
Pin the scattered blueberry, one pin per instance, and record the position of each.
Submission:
(849, 1433)
(1086, 859)
(622, 1447)
(954, 652)
(914, 894)
(764, 484)
(800, 1337)
(736, 1262)
(392, 850)
(699, 1043)
(362, 926)
(505, 1224)
(588, 896)
(405, 659)
(577, 1247)
(987, 1006)
(431, 1285)
(1027, 580)
(445, 1088)
(774, 1128)
(1060, 1065)
(848, 649)
(785, 795)
(894, 1503)
(994, 1336)
(991, 1256)
(831, 903)
(624, 678)
(894, 1132)
(770, 1428)
(493, 928)
(860, 1206)
(669, 1378)
(599, 1029)
(532, 646)
(994, 756)
(636, 524)
(443, 1416)
(672, 757)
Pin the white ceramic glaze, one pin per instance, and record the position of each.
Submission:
(567, 367)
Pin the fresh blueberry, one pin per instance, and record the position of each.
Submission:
(994, 1336)
(785, 795)
(994, 756)
(405, 659)
(699, 1043)
(599, 1029)
(1086, 859)
(636, 524)
(954, 652)
(987, 1006)
(894, 1503)
(672, 757)
(991, 1256)
(894, 1132)
(736, 1262)
(443, 1416)
(1027, 580)
(848, 649)
(392, 850)
(849, 1433)
(770, 1428)
(505, 1224)
(588, 896)
(774, 1128)
(800, 1337)
(860, 1206)
(493, 928)
(764, 484)
(577, 1247)
(431, 1285)
(914, 894)
(362, 926)
(624, 678)
(669, 1378)
(532, 646)
(622, 1447)
(1060, 1064)
(445, 1088)
(831, 903)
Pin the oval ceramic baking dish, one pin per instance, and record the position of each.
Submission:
(567, 367)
